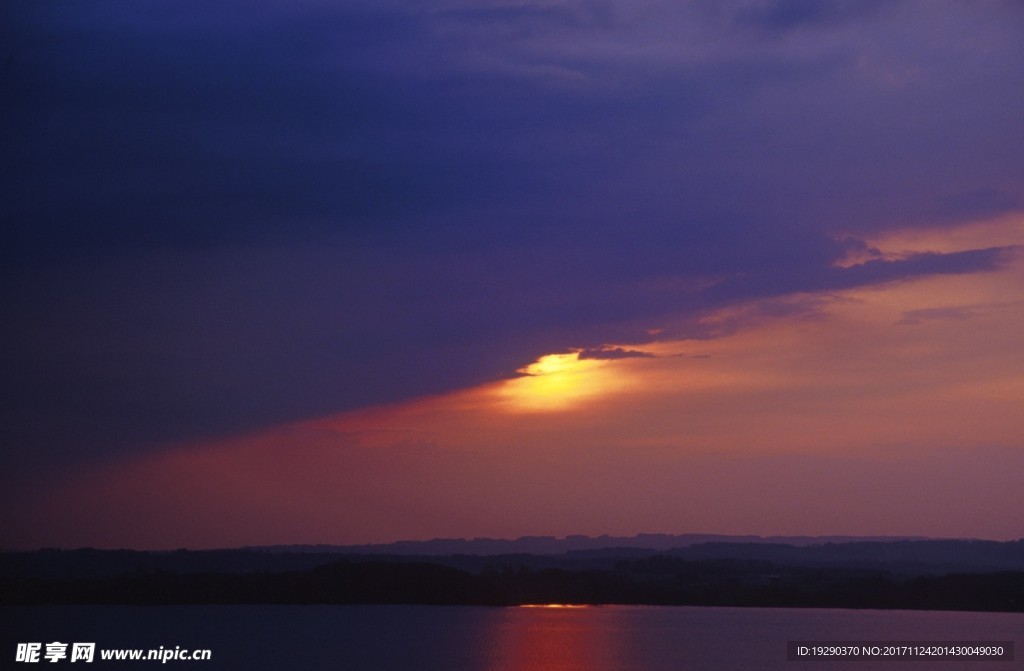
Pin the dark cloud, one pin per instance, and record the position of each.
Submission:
(979, 203)
(880, 270)
(524, 20)
(612, 353)
(216, 218)
(152, 136)
(791, 14)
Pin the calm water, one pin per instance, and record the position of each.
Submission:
(434, 638)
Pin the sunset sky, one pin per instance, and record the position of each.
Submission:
(362, 271)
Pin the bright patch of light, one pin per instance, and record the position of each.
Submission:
(560, 382)
(554, 605)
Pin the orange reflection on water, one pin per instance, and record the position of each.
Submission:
(553, 637)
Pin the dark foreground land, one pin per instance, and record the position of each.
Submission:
(933, 575)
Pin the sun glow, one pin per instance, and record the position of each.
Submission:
(554, 605)
(560, 382)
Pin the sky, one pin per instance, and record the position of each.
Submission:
(356, 272)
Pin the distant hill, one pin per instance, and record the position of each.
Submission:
(550, 545)
(898, 556)
(909, 557)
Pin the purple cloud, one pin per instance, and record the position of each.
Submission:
(219, 219)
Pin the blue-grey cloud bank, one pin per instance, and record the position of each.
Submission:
(218, 216)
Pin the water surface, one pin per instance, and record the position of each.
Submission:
(443, 638)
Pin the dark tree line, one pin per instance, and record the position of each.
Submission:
(658, 580)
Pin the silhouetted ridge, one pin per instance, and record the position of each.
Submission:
(858, 575)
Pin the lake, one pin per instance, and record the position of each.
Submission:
(452, 638)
